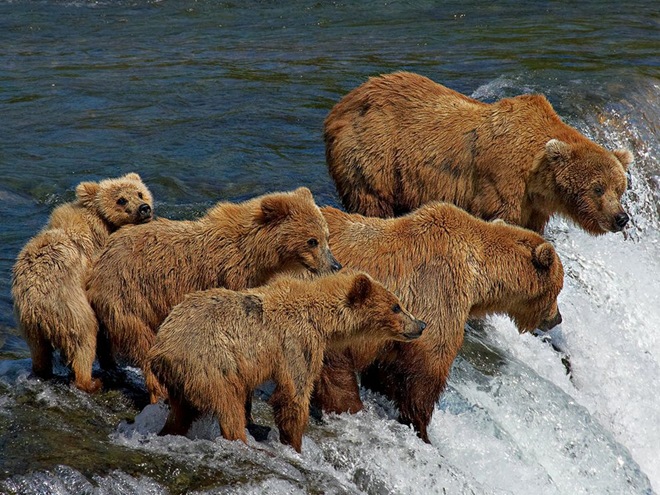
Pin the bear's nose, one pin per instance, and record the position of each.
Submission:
(621, 220)
(421, 325)
(335, 265)
(144, 210)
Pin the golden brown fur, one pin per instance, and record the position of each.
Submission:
(446, 266)
(146, 271)
(47, 286)
(401, 140)
(217, 345)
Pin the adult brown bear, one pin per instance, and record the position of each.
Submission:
(142, 274)
(401, 140)
(446, 266)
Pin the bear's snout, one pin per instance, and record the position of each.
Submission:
(620, 221)
(415, 335)
(551, 323)
(335, 265)
(144, 210)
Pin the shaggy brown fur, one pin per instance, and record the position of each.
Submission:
(217, 345)
(401, 140)
(146, 271)
(48, 278)
(446, 266)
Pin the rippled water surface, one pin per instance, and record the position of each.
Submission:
(214, 101)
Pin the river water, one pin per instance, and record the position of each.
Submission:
(214, 101)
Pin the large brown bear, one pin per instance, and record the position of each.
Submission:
(48, 278)
(446, 266)
(144, 272)
(217, 345)
(401, 140)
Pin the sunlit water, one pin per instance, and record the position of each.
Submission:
(214, 101)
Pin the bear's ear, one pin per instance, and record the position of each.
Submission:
(86, 191)
(304, 192)
(360, 290)
(132, 176)
(558, 150)
(624, 156)
(543, 256)
(273, 209)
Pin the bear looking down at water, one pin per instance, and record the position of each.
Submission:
(446, 266)
(401, 140)
(48, 278)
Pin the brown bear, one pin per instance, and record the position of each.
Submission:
(401, 140)
(446, 266)
(217, 345)
(144, 272)
(48, 278)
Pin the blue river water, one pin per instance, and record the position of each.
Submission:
(213, 101)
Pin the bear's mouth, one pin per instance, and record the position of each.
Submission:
(550, 323)
(309, 268)
(412, 335)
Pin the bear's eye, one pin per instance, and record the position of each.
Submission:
(122, 201)
(140, 195)
(313, 242)
(599, 191)
(396, 308)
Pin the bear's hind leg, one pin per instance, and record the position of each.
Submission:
(104, 351)
(181, 416)
(81, 364)
(41, 351)
(132, 337)
(291, 414)
(229, 407)
(82, 351)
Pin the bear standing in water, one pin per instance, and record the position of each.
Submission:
(48, 278)
(142, 274)
(446, 266)
(217, 345)
(401, 140)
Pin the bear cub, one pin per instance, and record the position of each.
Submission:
(50, 304)
(217, 345)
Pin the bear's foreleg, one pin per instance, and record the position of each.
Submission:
(156, 390)
(414, 393)
(337, 389)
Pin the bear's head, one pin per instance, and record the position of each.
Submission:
(538, 278)
(299, 229)
(381, 311)
(589, 182)
(121, 201)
